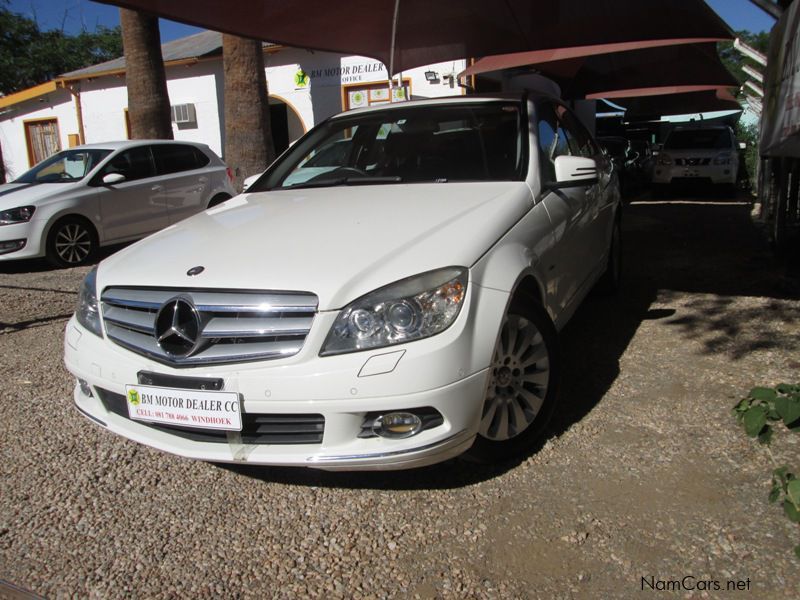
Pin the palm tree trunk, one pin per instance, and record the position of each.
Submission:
(148, 102)
(248, 134)
(2, 167)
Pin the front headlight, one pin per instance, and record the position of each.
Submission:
(410, 309)
(723, 159)
(88, 310)
(21, 214)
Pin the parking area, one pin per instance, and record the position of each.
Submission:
(644, 478)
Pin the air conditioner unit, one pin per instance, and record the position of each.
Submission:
(183, 113)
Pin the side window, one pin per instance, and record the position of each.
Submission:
(174, 158)
(580, 140)
(136, 163)
(553, 141)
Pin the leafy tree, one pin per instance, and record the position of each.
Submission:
(30, 56)
(734, 60)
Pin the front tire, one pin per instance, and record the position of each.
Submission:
(71, 242)
(523, 385)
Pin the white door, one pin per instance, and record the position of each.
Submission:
(134, 207)
(182, 169)
(566, 264)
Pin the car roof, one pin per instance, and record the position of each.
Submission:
(119, 144)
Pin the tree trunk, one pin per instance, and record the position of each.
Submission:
(148, 102)
(249, 148)
(2, 167)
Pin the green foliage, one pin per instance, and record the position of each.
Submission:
(760, 413)
(29, 56)
(734, 60)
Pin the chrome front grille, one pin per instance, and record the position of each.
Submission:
(692, 162)
(232, 326)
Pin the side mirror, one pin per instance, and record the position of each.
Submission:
(574, 171)
(113, 178)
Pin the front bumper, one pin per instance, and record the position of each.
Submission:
(716, 174)
(447, 372)
(32, 232)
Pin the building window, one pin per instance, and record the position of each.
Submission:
(42, 139)
(370, 94)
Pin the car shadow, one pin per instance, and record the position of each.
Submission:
(701, 244)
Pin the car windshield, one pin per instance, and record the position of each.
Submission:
(64, 167)
(698, 139)
(475, 142)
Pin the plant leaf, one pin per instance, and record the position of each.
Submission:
(754, 420)
(765, 437)
(788, 408)
(791, 512)
(793, 492)
(774, 493)
(797, 550)
(787, 388)
(763, 393)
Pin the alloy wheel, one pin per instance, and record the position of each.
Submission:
(518, 380)
(73, 243)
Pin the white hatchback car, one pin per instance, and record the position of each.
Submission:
(68, 205)
(392, 310)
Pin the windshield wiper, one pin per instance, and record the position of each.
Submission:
(344, 181)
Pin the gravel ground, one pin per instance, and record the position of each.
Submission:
(644, 473)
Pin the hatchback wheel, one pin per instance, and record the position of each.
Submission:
(523, 385)
(71, 242)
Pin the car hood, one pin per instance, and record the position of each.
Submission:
(338, 243)
(24, 194)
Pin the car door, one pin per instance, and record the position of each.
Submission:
(135, 206)
(565, 264)
(600, 198)
(181, 170)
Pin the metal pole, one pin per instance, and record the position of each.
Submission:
(392, 46)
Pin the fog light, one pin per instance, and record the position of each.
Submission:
(12, 246)
(86, 389)
(397, 425)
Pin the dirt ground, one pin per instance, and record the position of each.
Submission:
(645, 482)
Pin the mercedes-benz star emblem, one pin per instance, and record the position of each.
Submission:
(178, 327)
(195, 270)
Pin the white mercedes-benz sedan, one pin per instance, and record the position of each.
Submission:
(391, 308)
(79, 199)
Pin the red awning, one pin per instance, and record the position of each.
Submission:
(424, 31)
(640, 72)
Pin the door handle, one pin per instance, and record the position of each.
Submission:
(157, 188)
(203, 179)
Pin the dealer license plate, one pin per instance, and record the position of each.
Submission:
(187, 408)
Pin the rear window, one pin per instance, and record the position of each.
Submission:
(699, 139)
(173, 158)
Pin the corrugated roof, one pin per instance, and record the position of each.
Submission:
(205, 43)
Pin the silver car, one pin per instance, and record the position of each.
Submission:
(79, 199)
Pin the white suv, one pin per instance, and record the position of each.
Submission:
(698, 154)
(82, 198)
(390, 309)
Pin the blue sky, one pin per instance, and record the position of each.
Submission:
(78, 14)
